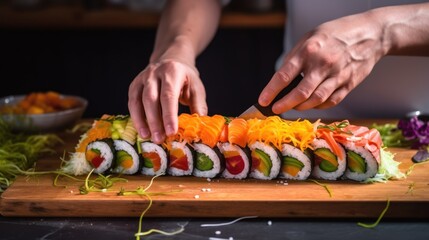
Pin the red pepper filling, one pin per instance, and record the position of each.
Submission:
(178, 159)
(234, 162)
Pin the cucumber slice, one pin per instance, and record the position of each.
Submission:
(203, 163)
(355, 162)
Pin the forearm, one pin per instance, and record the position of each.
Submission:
(405, 28)
(185, 29)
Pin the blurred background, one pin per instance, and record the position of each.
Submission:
(94, 49)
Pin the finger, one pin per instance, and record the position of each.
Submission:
(198, 102)
(299, 94)
(280, 80)
(336, 97)
(320, 94)
(170, 91)
(135, 106)
(152, 106)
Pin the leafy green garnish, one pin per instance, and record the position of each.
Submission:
(388, 169)
(391, 135)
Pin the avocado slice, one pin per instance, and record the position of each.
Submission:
(122, 155)
(204, 163)
(328, 160)
(327, 166)
(265, 162)
(291, 161)
(355, 162)
(95, 150)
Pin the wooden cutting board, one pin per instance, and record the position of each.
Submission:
(200, 197)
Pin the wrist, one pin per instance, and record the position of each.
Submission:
(404, 28)
(179, 49)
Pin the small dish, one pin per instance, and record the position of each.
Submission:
(46, 122)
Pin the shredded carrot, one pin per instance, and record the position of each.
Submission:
(100, 129)
(277, 131)
(336, 148)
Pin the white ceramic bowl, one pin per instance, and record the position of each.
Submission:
(48, 122)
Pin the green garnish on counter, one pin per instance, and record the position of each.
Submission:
(19, 152)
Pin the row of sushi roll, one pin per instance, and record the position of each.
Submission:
(218, 146)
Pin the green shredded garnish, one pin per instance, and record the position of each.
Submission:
(322, 185)
(99, 184)
(337, 127)
(378, 220)
(144, 192)
(227, 119)
(410, 170)
(19, 152)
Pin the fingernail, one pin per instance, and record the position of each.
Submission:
(169, 130)
(157, 137)
(263, 100)
(144, 133)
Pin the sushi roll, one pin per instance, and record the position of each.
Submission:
(327, 164)
(361, 163)
(265, 161)
(181, 159)
(209, 162)
(100, 154)
(155, 159)
(296, 164)
(237, 161)
(127, 160)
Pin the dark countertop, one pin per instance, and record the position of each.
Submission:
(257, 228)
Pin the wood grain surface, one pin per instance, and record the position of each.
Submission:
(190, 197)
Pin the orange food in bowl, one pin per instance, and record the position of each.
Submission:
(42, 102)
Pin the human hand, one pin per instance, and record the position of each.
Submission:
(334, 58)
(154, 96)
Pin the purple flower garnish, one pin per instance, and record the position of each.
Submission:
(416, 130)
